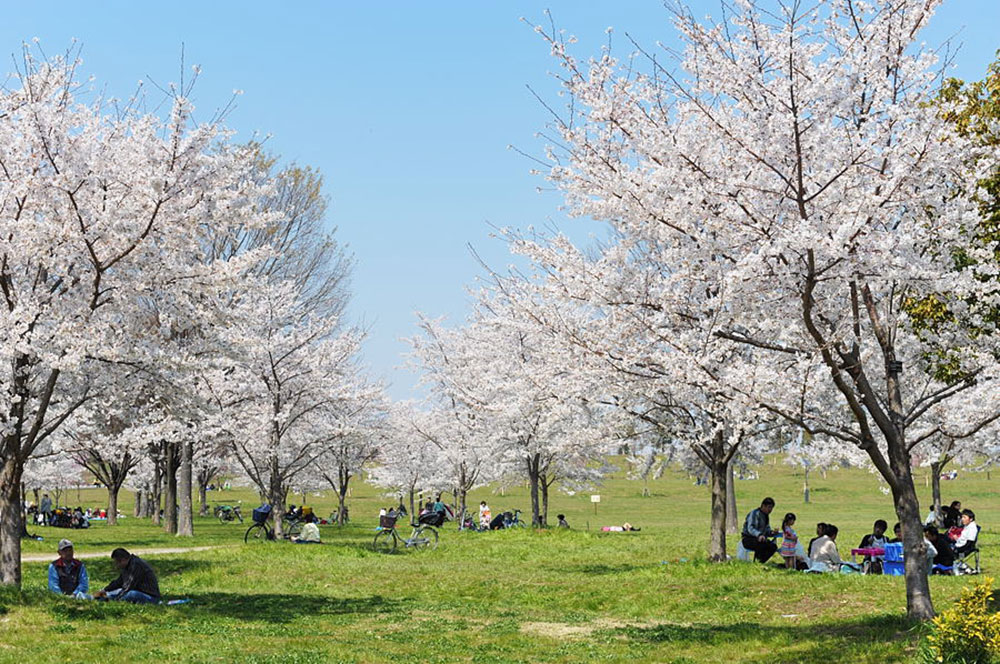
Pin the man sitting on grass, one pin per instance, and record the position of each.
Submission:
(136, 582)
(757, 533)
(67, 575)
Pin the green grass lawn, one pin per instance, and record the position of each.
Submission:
(550, 596)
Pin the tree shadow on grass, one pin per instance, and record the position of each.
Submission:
(274, 608)
(595, 569)
(819, 641)
(101, 571)
(270, 608)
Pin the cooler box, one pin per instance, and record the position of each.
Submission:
(893, 568)
(894, 552)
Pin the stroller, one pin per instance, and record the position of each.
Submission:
(501, 521)
(435, 519)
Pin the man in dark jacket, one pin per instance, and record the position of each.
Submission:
(136, 581)
(757, 533)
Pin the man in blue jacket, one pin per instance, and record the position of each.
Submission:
(67, 575)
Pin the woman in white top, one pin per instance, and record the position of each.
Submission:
(966, 542)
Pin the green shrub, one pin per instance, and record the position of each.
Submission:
(968, 632)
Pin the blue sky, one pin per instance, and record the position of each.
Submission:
(407, 109)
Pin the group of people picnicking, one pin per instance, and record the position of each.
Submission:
(958, 538)
(136, 582)
(45, 514)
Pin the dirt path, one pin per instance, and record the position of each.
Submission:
(42, 557)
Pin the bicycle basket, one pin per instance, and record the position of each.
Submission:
(387, 522)
(260, 514)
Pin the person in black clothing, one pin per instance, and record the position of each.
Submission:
(757, 533)
(952, 515)
(875, 540)
(136, 581)
(945, 555)
(897, 532)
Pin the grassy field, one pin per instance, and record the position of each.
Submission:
(550, 596)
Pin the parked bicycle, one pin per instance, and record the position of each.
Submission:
(260, 531)
(515, 521)
(507, 520)
(387, 540)
(228, 513)
(470, 522)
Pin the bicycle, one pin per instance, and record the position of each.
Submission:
(516, 521)
(423, 536)
(261, 532)
(227, 513)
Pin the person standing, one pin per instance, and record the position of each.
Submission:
(757, 532)
(789, 541)
(46, 509)
(67, 575)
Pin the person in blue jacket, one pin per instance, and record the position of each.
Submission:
(67, 575)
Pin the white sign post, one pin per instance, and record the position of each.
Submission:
(595, 498)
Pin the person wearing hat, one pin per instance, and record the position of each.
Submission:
(67, 575)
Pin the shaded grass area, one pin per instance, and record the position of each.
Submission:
(519, 596)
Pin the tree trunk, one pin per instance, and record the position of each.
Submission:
(342, 505)
(10, 523)
(536, 519)
(936, 487)
(137, 509)
(344, 475)
(918, 594)
(157, 493)
(717, 535)
(904, 496)
(413, 515)
(805, 488)
(185, 520)
(276, 498)
(462, 492)
(170, 490)
(732, 517)
(112, 505)
(545, 501)
(202, 498)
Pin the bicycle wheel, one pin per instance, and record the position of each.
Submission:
(258, 532)
(221, 516)
(292, 529)
(384, 542)
(425, 538)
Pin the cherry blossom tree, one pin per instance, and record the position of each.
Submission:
(103, 206)
(407, 459)
(788, 179)
(357, 428)
(465, 457)
(284, 369)
(498, 370)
